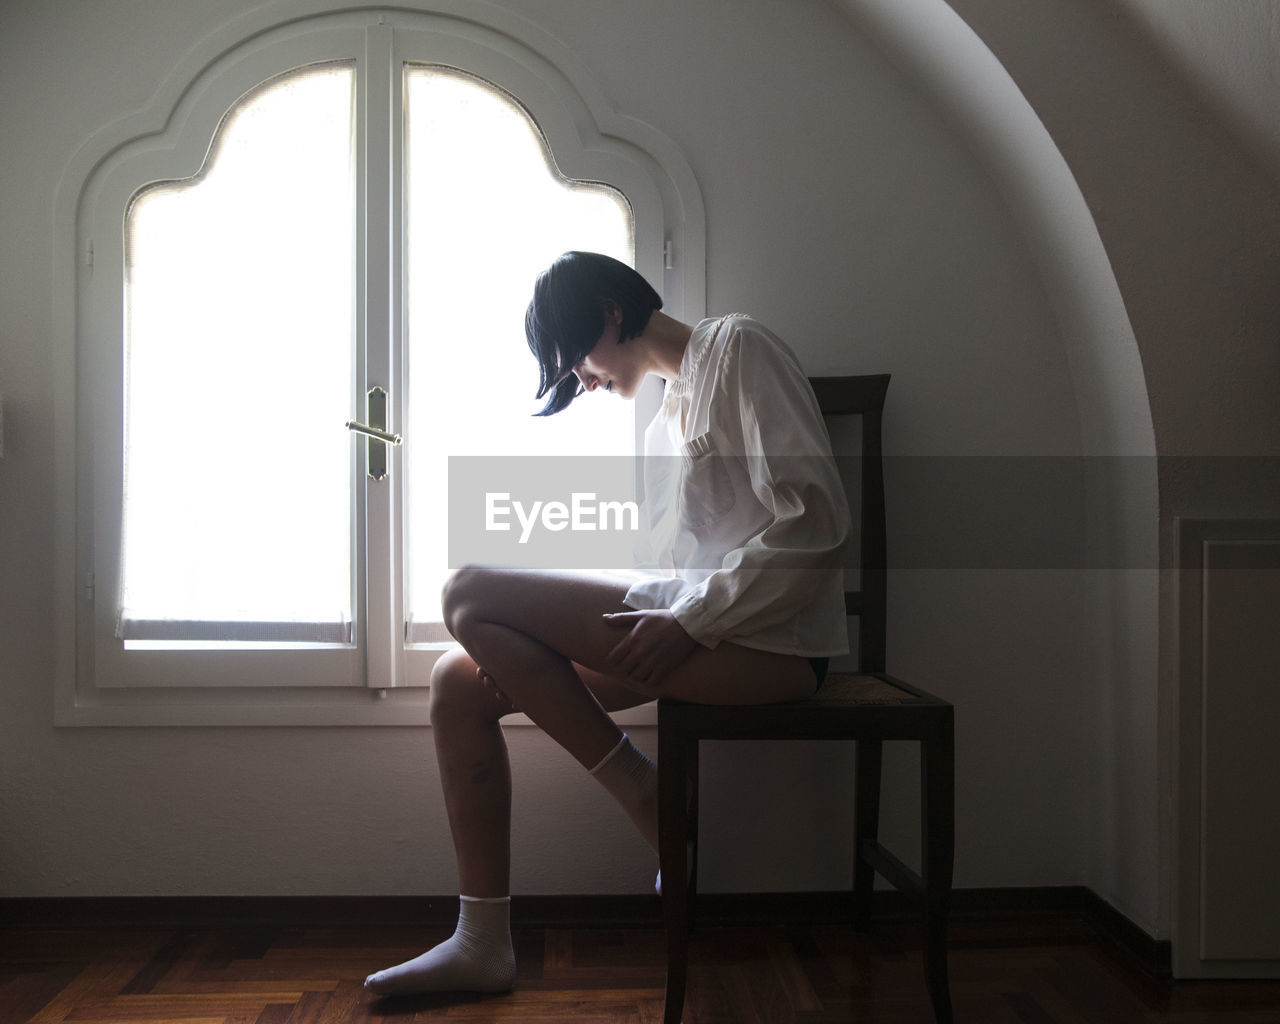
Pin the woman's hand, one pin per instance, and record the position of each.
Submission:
(655, 644)
(483, 675)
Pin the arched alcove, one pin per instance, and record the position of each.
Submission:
(958, 75)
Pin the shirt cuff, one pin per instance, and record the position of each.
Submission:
(688, 612)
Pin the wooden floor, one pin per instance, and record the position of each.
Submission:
(1021, 970)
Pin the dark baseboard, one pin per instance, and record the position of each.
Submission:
(1155, 956)
(1047, 914)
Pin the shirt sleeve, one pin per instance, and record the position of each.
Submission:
(765, 400)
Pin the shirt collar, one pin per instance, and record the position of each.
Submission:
(695, 353)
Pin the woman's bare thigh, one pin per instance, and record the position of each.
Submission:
(565, 612)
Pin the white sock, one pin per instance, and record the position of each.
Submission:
(477, 958)
(632, 779)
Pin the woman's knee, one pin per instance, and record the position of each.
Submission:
(456, 692)
(463, 594)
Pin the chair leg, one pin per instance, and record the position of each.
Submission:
(673, 774)
(866, 828)
(938, 838)
(692, 781)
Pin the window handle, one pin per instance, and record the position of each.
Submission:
(368, 431)
(376, 431)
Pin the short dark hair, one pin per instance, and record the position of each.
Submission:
(566, 317)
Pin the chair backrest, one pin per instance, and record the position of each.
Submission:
(863, 396)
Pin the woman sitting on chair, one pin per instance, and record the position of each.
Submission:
(745, 607)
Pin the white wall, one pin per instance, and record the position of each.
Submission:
(849, 207)
(1230, 52)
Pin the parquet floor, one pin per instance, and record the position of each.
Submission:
(1003, 972)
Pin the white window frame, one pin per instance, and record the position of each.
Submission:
(364, 684)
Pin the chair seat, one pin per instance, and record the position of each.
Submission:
(848, 706)
(841, 689)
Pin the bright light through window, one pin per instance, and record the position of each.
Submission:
(486, 212)
(240, 306)
(239, 314)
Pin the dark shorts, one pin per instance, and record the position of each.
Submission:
(819, 670)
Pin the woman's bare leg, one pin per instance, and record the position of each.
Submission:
(533, 669)
(475, 776)
(527, 628)
(543, 640)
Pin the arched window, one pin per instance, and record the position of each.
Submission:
(341, 222)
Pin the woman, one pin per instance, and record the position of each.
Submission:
(748, 520)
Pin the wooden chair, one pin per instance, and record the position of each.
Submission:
(868, 707)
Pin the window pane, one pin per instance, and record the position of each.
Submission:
(239, 301)
(486, 212)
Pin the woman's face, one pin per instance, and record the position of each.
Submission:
(611, 366)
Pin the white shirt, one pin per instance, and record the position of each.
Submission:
(746, 512)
